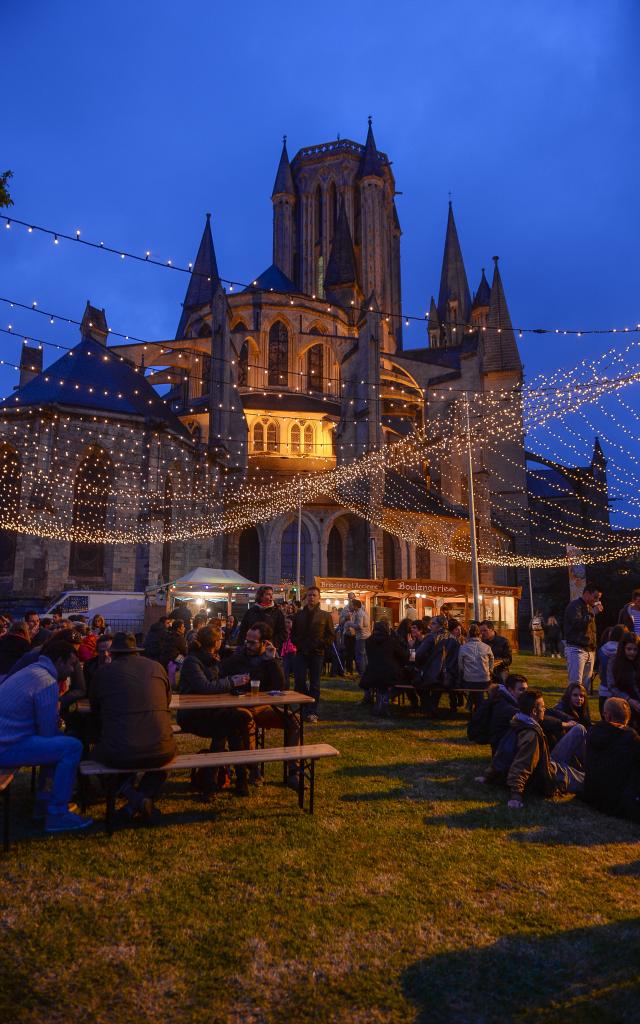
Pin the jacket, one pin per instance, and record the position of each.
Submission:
(272, 615)
(386, 658)
(29, 704)
(200, 674)
(565, 712)
(361, 624)
(625, 618)
(153, 640)
(612, 770)
(531, 766)
(606, 654)
(268, 670)
(12, 647)
(172, 646)
(475, 661)
(437, 659)
(623, 680)
(131, 695)
(501, 649)
(504, 707)
(312, 631)
(580, 625)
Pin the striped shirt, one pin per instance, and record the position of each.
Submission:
(29, 703)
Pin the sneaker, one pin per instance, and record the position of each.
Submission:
(312, 719)
(66, 822)
(41, 810)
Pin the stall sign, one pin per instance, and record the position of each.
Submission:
(488, 591)
(433, 588)
(357, 586)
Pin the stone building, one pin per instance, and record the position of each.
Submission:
(301, 371)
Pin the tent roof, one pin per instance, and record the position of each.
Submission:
(215, 579)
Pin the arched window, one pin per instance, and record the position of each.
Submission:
(278, 355)
(203, 371)
(258, 438)
(167, 520)
(243, 366)
(315, 368)
(249, 554)
(333, 209)
(272, 437)
(309, 439)
(295, 439)
(10, 488)
(289, 553)
(389, 556)
(334, 553)
(319, 216)
(91, 492)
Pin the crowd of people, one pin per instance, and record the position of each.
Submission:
(47, 665)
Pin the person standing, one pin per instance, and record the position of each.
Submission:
(552, 636)
(580, 635)
(131, 697)
(264, 610)
(312, 632)
(630, 615)
(362, 629)
(537, 634)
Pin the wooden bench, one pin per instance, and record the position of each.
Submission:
(6, 778)
(306, 756)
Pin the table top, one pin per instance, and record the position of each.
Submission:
(219, 701)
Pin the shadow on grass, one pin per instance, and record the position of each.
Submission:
(579, 976)
(416, 779)
(632, 869)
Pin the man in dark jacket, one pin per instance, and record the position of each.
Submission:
(505, 706)
(264, 610)
(612, 772)
(311, 634)
(437, 661)
(154, 639)
(502, 653)
(630, 615)
(580, 635)
(131, 696)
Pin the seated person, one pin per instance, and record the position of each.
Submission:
(505, 705)
(501, 648)
(154, 640)
(623, 675)
(573, 706)
(173, 643)
(13, 645)
(612, 770)
(386, 659)
(131, 698)
(475, 663)
(606, 652)
(29, 733)
(200, 674)
(437, 662)
(258, 658)
(522, 759)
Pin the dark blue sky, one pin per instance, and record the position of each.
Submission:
(130, 121)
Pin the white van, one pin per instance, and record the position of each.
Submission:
(121, 609)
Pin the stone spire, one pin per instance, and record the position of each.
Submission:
(94, 324)
(283, 185)
(434, 328)
(204, 278)
(370, 165)
(454, 298)
(341, 268)
(483, 295)
(499, 348)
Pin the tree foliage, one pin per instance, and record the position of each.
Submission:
(5, 198)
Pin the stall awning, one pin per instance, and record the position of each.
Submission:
(212, 579)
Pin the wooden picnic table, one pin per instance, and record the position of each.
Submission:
(193, 701)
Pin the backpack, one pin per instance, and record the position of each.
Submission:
(505, 753)
(479, 725)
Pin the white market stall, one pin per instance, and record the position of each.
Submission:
(203, 588)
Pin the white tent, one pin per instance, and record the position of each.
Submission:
(212, 579)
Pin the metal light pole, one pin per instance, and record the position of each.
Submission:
(475, 576)
(299, 545)
(530, 591)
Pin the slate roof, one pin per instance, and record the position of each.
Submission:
(453, 277)
(204, 278)
(341, 268)
(91, 365)
(290, 402)
(549, 483)
(273, 279)
(499, 347)
(402, 492)
(284, 177)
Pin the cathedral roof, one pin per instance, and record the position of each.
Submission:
(341, 268)
(284, 178)
(483, 295)
(411, 495)
(204, 278)
(273, 280)
(453, 278)
(499, 348)
(92, 378)
(370, 164)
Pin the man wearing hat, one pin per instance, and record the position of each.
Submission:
(131, 696)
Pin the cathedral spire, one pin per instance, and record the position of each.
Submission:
(204, 278)
(283, 185)
(370, 165)
(483, 295)
(499, 348)
(434, 327)
(341, 278)
(454, 298)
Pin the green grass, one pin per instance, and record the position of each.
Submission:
(412, 895)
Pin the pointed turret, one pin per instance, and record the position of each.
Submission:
(435, 327)
(454, 298)
(598, 457)
(204, 278)
(370, 165)
(94, 324)
(483, 295)
(342, 274)
(499, 348)
(283, 185)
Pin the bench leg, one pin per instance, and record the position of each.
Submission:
(82, 792)
(312, 783)
(111, 802)
(301, 785)
(34, 778)
(6, 819)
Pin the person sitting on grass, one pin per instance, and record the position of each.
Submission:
(573, 706)
(200, 675)
(522, 760)
(505, 698)
(623, 675)
(130, 697)
(612, 769)
(386, 659)
(606, 653)
(29, 734)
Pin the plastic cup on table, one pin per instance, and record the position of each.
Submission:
(255, 687)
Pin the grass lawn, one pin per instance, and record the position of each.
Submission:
(412, 895)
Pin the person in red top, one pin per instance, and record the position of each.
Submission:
(288, 651)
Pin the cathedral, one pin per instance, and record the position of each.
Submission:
(300, 371)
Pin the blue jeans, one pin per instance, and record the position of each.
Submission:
(361, 655)
(308, 665)
(60, 753)
(288, 666)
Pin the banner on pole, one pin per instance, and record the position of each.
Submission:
(577, 572)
